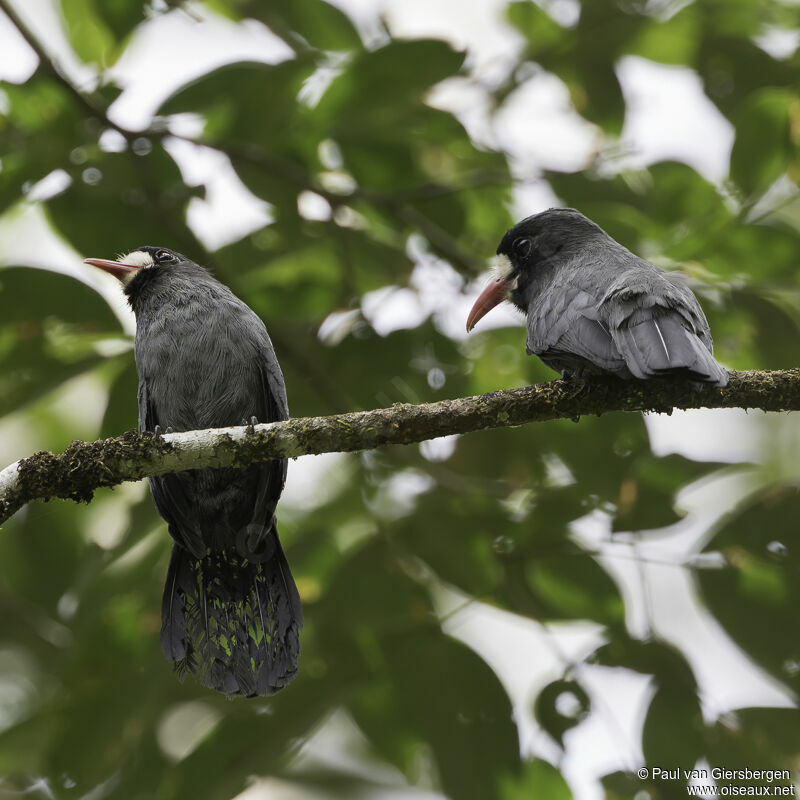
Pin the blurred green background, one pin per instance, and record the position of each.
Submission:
(519, 613)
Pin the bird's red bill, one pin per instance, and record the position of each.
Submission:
(115, 268)
(492, 295)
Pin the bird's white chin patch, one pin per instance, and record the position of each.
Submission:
(501, 267)
(137, 258)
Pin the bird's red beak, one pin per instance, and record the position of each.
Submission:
(115, 268)
(492, 295)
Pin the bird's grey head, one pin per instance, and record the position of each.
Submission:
(145, 269)
(129, 265)
(149, 256)
(528, 248)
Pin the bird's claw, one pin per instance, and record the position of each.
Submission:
(576, 380)
(577, 376)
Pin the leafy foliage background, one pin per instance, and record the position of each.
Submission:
(86, 702)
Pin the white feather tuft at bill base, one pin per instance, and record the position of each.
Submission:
(501, 267)
(137, 258)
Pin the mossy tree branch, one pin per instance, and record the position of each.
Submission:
(85, 466)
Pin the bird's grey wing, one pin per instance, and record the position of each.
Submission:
(168, 492)
(271, 407)
(564, 325)
(274, 385)
(658, 326)
(690, 309)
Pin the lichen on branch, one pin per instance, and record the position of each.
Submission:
(86, 466)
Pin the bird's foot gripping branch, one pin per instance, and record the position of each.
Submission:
(86, 466)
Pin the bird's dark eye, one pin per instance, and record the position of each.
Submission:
(522, 247)
(164, 256)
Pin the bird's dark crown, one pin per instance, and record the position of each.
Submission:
(550, 229)
(161, 256)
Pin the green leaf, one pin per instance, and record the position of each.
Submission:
(381, 84)
(88, 34)
(537, 26)
(769, 736)
(764, 148)
(50, 323)
(463, 716)
(29, 296)
(650, 657)
(120, 201)
(583, 57)
(122, 409)
(319, 23)
(538, 779)
(647, 497)
(440, 697)
(733, 67)
(674, 731)
(121, 16)
(445, 521)
(672, 41)
(773, 325)
(308, 269)
(45, 569)
(762, 254)
(574, 586)
(248, 103)
(669, 204)
(597, 95)
(39, 132)
(754, 596)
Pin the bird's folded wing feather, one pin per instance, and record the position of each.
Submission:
(276, 405)
(272, 474)
(658, 326)
(270, 405)
(565, 319)
(632, 295)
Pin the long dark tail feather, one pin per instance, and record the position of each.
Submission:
(662, 345)
(180, 580)
(234, 623)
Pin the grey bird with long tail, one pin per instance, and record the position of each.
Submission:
(594, 307)
(231, 611)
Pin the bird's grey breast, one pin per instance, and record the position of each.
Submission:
(201, 360)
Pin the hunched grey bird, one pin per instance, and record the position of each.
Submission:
(231, 611)
(594, 307)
